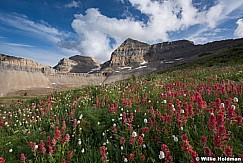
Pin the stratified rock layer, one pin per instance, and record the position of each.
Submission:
(76, 64)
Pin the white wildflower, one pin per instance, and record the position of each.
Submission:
(222, 104)
(161, 155)
(175, 139)
(82, 150)
(145, 120)
(81, 116)
(144, 146)
(134, 134)
(79, 142)
(236, 99)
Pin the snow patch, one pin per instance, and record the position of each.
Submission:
(178, 59)
(169, 62)
(94, 69)
(140, 67)
(122, 68)
(143, 63)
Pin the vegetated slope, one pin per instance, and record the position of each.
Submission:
(194, 110)
(226, 57)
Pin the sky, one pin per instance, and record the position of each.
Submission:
(46, 31)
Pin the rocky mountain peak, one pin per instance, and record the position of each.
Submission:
(77, 64)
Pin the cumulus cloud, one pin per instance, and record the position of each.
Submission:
(222, 11)
(96, 30)
(239, 30)
(73, 4)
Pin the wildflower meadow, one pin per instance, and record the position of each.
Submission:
(176, 116)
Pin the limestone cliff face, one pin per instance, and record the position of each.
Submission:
(76, 64)
(130, 52)
(20, 64)
(169, 50)
(10, 60)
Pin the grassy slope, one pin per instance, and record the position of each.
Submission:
(210, 69)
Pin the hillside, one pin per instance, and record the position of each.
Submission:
(192, 110)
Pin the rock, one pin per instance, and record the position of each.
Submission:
(20, 64)
(130, 52)
(76, 64)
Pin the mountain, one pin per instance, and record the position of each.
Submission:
(77, 64)
(134, 55)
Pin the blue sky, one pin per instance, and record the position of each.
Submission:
(48, 30)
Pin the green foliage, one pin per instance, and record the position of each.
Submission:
(95, 116)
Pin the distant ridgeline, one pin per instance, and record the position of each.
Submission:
(21, 64)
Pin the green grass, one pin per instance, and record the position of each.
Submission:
(205, 86)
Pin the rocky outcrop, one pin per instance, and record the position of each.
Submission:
(11, 60)
(130, 52)
(77, 64)
(169, 50)
(20, 64)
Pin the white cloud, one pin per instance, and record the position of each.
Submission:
(42, 29)
(239, 30)
(73, 4)
(95, 29)
(222, 11)
(18, 45)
